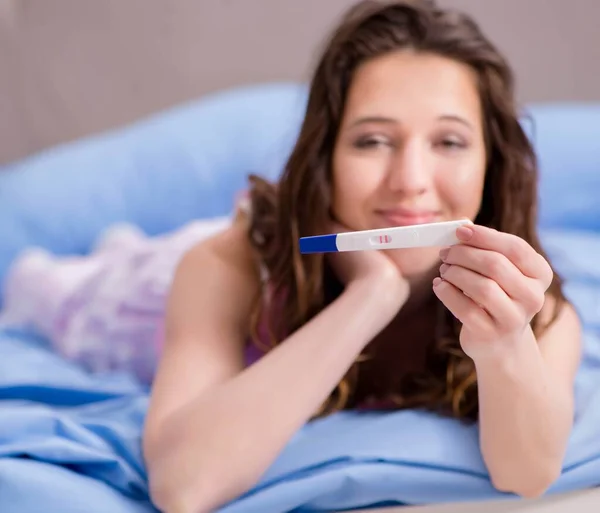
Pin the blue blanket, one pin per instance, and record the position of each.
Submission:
(70, 441)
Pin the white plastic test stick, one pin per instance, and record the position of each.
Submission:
(401, 237)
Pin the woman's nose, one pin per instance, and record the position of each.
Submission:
(410, 169)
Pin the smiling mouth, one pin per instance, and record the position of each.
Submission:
(401, 217)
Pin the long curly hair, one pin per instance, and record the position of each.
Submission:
(299, 204)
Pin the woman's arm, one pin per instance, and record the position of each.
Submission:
(495, 283)
(526, 407)
(213, 426)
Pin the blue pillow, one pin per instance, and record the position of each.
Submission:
(565, 136)
(190, 161)
(159, 173)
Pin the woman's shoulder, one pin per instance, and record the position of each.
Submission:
(558, 311)
(234, 249)
(230, 248)
(216, 282)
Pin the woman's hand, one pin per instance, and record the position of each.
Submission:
(493, 283)
(370, 267)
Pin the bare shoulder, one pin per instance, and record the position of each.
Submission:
(230, 248)
(222, 272)
(557, 314)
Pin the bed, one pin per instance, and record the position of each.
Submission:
(70, 439)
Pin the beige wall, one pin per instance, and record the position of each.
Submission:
(74, 67)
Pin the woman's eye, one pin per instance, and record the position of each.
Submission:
(452, 144)
(371, 142)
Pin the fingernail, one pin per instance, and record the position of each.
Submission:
(443, 269)
(437, 281)
(464, 233)
(444, 253)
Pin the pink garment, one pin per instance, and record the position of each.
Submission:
(103, 309)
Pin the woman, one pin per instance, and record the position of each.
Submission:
(411, 118)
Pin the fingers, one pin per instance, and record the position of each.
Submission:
(499, 269)
(484, 292)
(514, 248)
(462, 307)
(493, 283)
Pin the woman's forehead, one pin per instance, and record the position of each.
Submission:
(408, 85)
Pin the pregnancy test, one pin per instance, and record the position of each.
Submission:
(399, 237)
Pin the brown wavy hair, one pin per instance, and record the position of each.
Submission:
(299, 204)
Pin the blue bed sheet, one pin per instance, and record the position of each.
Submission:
(70, 441)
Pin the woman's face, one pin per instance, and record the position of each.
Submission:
(410, 149)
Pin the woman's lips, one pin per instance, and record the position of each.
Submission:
(405, 217)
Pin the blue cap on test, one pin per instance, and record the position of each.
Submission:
(318, 244)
